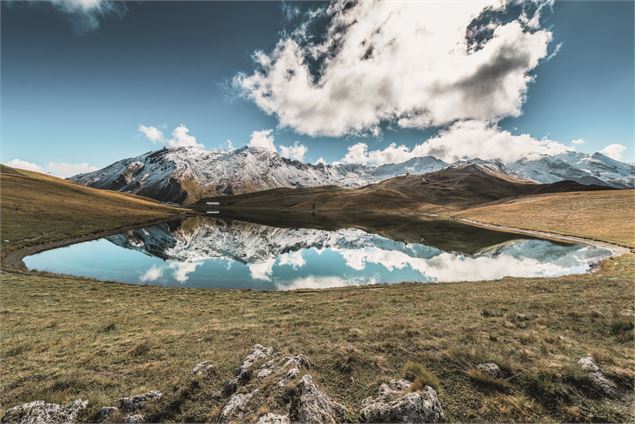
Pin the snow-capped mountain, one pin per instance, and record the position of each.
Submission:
(586, 169)
(184, 175)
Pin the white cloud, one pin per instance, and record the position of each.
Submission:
(152, 274)
(407, 62)
(262, 139)
(293, 259)
(87, 13)
(294, 152)
(463, 139)
(577, 142)
(181, 136)
(614, 151)
(153, 134)
(181, 270)
(262, 270)
(64, 170)
(59, 169)
(320, 161)
(323, 282)
(22, 164)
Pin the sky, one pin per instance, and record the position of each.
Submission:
(88, 82)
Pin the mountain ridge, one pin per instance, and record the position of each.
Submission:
(185, 175)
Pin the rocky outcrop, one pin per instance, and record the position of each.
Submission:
(600, 382)
(137, 402)
(267, 388)
(310, 405)
(396, 403)
(40, 412)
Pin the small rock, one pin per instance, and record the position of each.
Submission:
(395, 404)
(587, 364)
(134, 419)
(270, 418)
(204, 369)
(597, 377)
(310, 405)
(40, 412)
(103, 414)
(258, 352)
(134, 403)
(234, 409)
(290, 375)
(298, 361)
(490, 369)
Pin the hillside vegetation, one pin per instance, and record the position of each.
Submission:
(598, 215)
(39, 208)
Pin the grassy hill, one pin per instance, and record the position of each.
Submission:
(598, 215)
(39, 208)
(451, 188)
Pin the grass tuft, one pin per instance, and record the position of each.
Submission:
(420, 376)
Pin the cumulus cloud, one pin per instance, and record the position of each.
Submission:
(577, 142)
(262, 270)
(181, 136)
(295, 152)
(614, 151)
(462, 140)
(262, 139)
(64, 170)
(152, 274)
(418, 64)
(59, 169)
(23, 164)
(181, 270)
(153, 134)
(293, 259)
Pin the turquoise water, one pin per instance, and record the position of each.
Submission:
(213, 253)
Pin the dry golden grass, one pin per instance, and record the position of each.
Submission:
(38, 208)
(600, 215)
(64, 338)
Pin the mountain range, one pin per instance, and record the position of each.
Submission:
(185, 175)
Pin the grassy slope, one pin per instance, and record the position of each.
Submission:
(599, 215)
(68, 337)
(38, 208)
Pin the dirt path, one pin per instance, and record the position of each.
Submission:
(616, 250)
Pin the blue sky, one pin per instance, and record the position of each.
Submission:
(78, 81)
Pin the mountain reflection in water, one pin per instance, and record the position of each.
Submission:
(221, 252)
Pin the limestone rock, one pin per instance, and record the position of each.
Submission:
(394, 404)
(310, 405)
(270, 418)
(134, 403)
(235, 407)
(40, 412)
(203, 369)
(491, 369)
(258, 352)
(597, 377)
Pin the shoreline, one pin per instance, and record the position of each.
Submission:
(13, 261)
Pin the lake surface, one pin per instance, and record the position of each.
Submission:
(226, 253)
